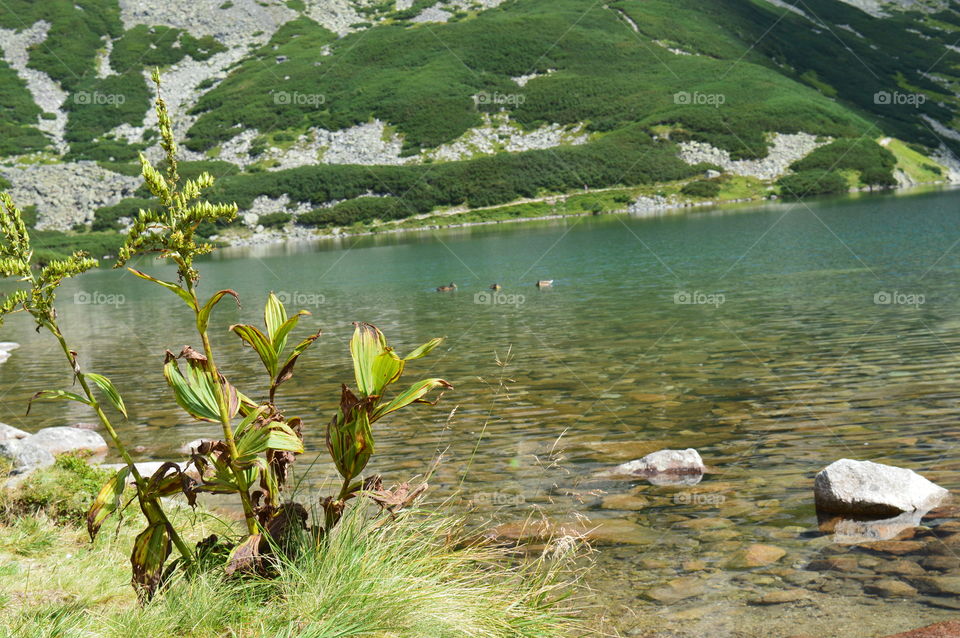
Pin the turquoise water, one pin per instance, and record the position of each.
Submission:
(790, 359)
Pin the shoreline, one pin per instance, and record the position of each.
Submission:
(650, 212)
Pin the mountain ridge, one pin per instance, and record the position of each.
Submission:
(423, 107)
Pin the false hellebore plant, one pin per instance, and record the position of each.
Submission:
(259, 442)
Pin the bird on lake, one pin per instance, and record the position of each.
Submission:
(495, 286)
(449, 288)
(544, 283)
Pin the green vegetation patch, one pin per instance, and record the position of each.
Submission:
(812, 182)
(873, 162)
(433, 84)
(62, 492)
(158, 46)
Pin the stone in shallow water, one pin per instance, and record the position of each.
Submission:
(895, 547)
(864, 488)
(607, 531)
(938, 585)
(891, 588)
(624, 502)
(756, 555)
(949, 629)
(666, 467)
(854, 531)
(833, 563)
(676, 590)
(941, 563)
(781, 597)
(902, 567)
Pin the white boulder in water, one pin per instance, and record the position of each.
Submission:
(6, 347)
(864, 488)
(666, 467)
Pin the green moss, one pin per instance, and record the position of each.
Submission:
(63, 492)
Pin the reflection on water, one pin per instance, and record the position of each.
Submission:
(773, 341)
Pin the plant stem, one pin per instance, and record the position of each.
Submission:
(124, 454)
(251, 519)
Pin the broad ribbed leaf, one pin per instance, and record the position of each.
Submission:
(367, 343)
(107, 501)
(387, 368)
(274, 316)
(57, 395)
(424, 350)
(259, 342)
(251, 444)
(413, 394)
(109, 390)
(203, 317)
(283, 438)
(287, 370)
(150, 552)
(280, 337)
(172, 287)
(195, 393)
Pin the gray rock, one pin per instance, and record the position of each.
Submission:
(666, 467)
(864, 488)
(25, 456)
(58, 440)
(8, 432)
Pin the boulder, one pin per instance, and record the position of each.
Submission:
(6, 347)
(948, 629)
(8, 432)
(59, 440)
(24, 455)
(864, 488)
(666, 467)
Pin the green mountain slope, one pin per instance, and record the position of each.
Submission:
(464, 106)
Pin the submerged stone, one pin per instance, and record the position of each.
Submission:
(666, 467)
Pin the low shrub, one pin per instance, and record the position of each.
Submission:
(813, 182)
(706, 189)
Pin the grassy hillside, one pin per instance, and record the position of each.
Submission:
(640, 76)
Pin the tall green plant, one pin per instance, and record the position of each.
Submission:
(350, 440)
(259, 441)
(233, 464)
(38, 299)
